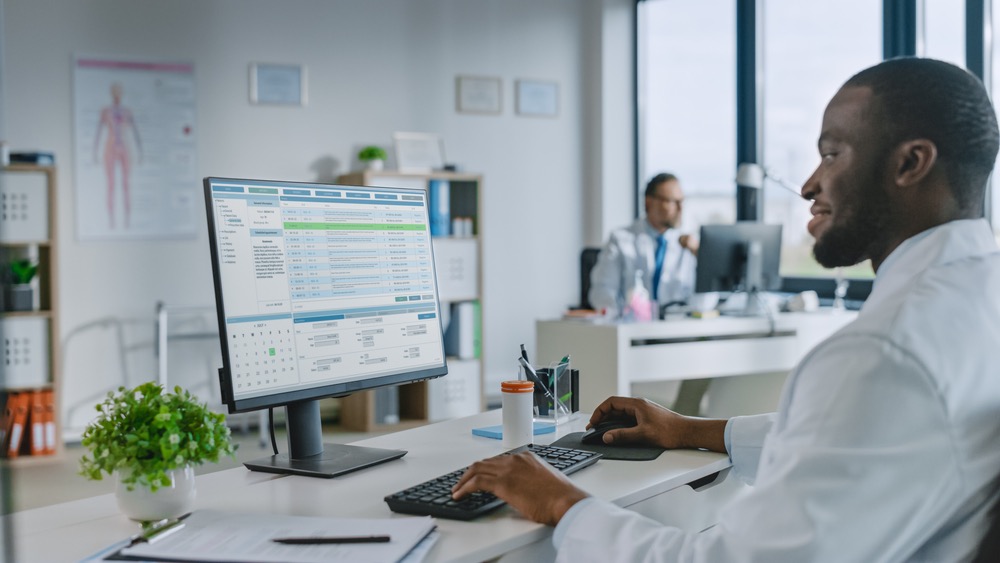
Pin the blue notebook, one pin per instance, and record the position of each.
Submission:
(496, 432)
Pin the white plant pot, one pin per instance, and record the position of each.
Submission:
(376, 165)
(170, 501)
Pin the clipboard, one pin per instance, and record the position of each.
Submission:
(212, 535)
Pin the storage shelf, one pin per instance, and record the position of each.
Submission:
(46, 387)
(35, 333)
(29, 168)
(19, 244)
(26, 314)
(33, 460)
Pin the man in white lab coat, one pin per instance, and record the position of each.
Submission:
(653, 248)
(886, 442)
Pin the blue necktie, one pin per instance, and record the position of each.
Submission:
(661, 251)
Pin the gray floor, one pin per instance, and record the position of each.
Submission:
(42, 484)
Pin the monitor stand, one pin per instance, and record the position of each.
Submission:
(753, 264)
(755, 305)
(309, 456)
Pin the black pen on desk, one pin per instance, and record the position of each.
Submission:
(332, 539)
(524, 354)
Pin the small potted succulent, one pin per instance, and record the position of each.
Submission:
(20, 296)
(150, 440)
(373, 157)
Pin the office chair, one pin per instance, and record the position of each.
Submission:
(588, 259)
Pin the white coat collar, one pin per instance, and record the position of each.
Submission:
(935, 246)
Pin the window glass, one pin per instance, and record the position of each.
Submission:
(810, 50)
(687, 103)
(943, 31)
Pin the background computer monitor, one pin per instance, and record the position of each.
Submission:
(740, 257)
(321, 291)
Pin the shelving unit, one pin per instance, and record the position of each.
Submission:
(458, 262)
(30, 339)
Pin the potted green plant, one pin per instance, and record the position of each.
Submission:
(20, 296)
(150, 441)
(373, 157)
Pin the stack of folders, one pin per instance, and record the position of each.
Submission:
(439, 210)
(210, 535)
(27, 424)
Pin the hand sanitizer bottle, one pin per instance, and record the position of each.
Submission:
(638, 307)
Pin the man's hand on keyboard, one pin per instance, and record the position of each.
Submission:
(525, 482)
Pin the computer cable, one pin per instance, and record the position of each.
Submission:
(270, 424)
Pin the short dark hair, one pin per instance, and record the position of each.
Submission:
(655, 182)
(934, 100)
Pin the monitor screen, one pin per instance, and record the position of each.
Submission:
(740, 257)
(322, 291)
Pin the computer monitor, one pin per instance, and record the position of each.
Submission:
(322, 291)
(740, 257)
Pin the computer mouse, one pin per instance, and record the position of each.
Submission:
(596, 434)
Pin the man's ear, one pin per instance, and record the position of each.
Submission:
(914, 160)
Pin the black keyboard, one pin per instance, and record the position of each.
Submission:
(433, 498)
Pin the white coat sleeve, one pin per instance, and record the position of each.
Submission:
(744, 442)
(859, 466)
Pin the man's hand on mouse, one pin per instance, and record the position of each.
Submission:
(658, 426)
(525, 482)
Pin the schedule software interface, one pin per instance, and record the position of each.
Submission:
(324, 285)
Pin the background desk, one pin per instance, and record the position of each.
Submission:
(74, 530)
(611, 357)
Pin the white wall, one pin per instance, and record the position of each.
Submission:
(374, 67)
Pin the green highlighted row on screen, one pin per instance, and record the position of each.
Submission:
(295, 226)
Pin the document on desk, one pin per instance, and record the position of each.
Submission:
(210, 535)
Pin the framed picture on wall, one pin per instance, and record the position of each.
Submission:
(280, 84)
(537, 98)
(418, 152)
(478, 94)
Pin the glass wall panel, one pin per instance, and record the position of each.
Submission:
(810, 50)
(943, 31)
(687, 103)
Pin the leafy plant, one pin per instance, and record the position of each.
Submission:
(23, 270)
(371, 152)
(144, 432)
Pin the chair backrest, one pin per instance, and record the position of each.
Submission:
(588, 258)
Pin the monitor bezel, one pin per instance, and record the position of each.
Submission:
(341, 389)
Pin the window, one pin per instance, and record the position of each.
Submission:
(810, 50)
(687, 104)
(943, 25)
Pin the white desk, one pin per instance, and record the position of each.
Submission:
(74, 530)
(612, 356)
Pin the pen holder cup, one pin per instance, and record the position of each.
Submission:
(559, 397)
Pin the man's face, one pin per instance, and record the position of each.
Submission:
(663, 208)
(850, 205)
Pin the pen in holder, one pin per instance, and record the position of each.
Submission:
(554, 392)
